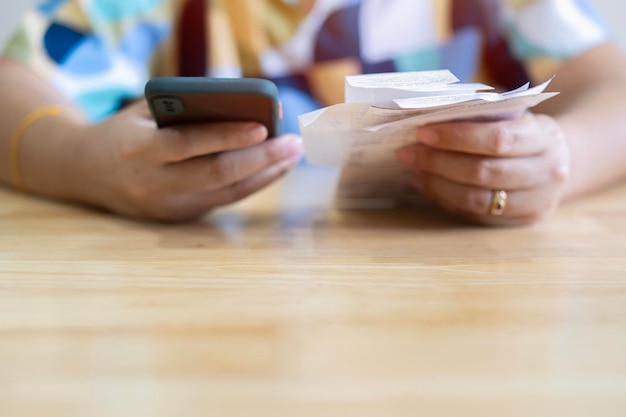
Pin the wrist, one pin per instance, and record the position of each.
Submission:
(51, 159)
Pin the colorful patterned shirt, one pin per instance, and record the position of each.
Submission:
(101, 52)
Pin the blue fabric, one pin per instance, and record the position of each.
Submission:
(49, 7)
(61, 41)
(116, 10)
(140, 42)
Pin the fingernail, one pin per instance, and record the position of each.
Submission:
(255, 131)
(406, 156)
(427, 136)
(292, 146)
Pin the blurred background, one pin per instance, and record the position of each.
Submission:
(613, 12)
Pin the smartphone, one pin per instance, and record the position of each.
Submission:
(179, 100)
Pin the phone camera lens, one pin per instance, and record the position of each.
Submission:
(169, 105)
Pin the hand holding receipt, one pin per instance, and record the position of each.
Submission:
(382, 113)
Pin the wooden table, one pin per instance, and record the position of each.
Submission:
(283, 306)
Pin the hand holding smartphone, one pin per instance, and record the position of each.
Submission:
(180, 100)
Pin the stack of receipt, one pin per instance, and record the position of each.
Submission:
(382, 113)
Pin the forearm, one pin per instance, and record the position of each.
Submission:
(45, 153)
(591, 110)
(597, 138)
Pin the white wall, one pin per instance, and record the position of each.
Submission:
(612, 10)
(10, 13)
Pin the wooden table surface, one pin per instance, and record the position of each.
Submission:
(284, 306)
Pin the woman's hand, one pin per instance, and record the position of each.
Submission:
(133, 168)
(461, 166)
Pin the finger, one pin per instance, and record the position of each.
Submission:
(175, 144)
(529, 135)
(486, 172)
(477, 201)
(490, 220)
(189, 206)
(254, 183)
(213, 172)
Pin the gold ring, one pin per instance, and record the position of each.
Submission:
(498, 202)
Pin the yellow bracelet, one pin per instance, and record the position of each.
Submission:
(17, 136)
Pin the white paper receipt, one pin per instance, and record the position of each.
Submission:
(382, 113)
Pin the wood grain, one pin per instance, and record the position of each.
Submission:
(284, 306)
